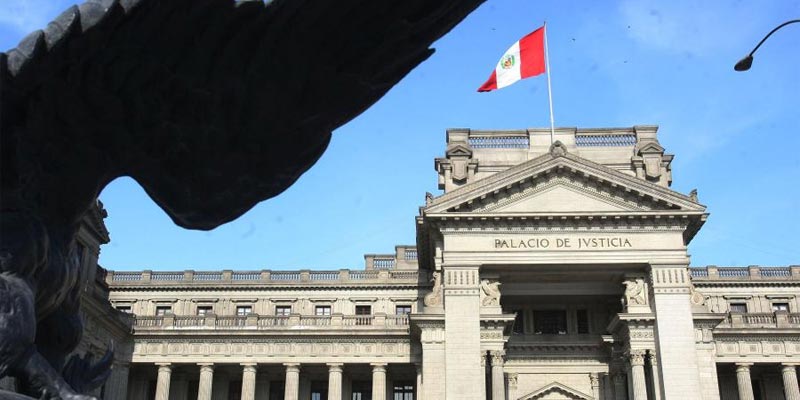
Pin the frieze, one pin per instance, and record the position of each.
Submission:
(279, 349)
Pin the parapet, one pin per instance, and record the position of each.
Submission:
(476, 154)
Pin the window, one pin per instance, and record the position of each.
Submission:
(550, 322)
(161, 310)
(125, 309)
(203, 310)
(583, 321)
(519, 322)
(243, 310)
(404, 309)
(363, 310)
(322, 310)
(780, 307)
(283, 311)
(738, 307)
(403, 392)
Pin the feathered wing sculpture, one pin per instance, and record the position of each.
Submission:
(211, 105)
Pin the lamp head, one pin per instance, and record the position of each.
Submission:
(744, 64)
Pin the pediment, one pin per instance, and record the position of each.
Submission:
(561, 184)
(556, 391)
(651, 148)
(459, 150)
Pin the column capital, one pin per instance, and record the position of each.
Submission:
(164, 364)
(378, 367)
(335, 367)
(743, 367)
(636, 357)
(294, 367)
(249, 367)
(786, 365)
(653, 358)
(498, 357)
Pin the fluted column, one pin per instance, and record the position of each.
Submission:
(790, 389)
(743, 380)
(639, 382)
(620, 388)
(594, 380)
(206, 381)
(378, 381)
(249, 381)
(292, 389)
(335, 381)
(162, 384)
(498, 376)
(654, 373)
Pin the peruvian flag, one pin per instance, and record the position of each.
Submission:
(524, 59)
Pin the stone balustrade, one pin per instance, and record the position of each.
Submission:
(384, 274)
(749, 273)
(267, 322)
(778, 319)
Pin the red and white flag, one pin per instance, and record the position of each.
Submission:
(524, 59)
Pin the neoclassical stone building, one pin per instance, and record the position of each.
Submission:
(542, 272)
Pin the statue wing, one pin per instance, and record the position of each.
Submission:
(211, 105)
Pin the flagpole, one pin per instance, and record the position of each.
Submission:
(549, 90)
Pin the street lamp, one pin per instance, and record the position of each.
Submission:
(745, 63)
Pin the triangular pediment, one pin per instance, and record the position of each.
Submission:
(556, 391)
(561, 184)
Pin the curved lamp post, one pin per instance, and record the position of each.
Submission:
(745, 63)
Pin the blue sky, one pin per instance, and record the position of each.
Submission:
(670, 63)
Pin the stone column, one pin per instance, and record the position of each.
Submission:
(790, 388)
(249, 381)
(675, 339)
(378, 381)
(654, 373)
(292, 391)
(638, 380)
(206, 381)
(464, 377)
(620, 387)
(418, 390)
(162, 384)
(498, 376)
(335, 381)
(594, 380)
(743, 380)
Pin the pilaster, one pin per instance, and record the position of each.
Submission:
(638, 380)
(465, 379)
(675, 340)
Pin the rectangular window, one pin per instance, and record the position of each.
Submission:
(203, 310)
(322, 310)
(583, 321)
(403, 392)
(780, 307)
(161, 310)
(243, 310)
(283, 311)
(519, 322)
(363, 310)
(125, 309)
(738, 308)
(550, 322)
(404, 309)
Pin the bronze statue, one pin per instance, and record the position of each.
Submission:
(210, 105)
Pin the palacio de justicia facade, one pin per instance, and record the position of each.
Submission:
(542, 271)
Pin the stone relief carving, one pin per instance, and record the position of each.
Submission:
(697, 298)
(512, 380)
(635, 292)
(490, 293)
(434, 298)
